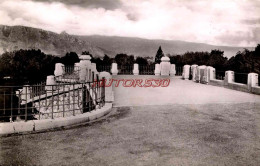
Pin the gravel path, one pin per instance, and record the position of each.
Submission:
(212, 134)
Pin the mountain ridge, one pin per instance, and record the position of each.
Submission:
(149, 47)
(22, 37)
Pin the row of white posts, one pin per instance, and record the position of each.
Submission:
(86, 71)
(85, 68)
(205, 74)
(165, 68)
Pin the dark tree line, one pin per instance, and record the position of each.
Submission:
(243, 62)
(122, 60)
(27, 65)
(214, 58)
(31, 66)
(34, 65)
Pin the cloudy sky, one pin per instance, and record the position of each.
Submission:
(219, 22)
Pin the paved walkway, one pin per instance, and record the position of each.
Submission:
(178, 92)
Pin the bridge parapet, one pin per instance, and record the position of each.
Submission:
(246, 82)
(71, 90)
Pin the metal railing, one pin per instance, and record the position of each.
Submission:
(146, 69)
(179, 70)
(37, 89)
(220, 75)
(241, 77)
(125, 70)
(69, 69)
(143, 69)
(106, 68)
(35, 102)
(71, 75)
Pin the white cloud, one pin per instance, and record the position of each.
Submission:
(219, 22)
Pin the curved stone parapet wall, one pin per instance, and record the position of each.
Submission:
(49, 124)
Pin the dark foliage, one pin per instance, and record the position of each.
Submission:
(70, 59)
(159, 55)
(215, 58)
(33, 65)
(141, 61)
(244, 62)
(27, 66)
(124, 59)
(107, 60)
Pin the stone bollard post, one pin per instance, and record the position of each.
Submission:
(202, 72)
(205, 78)
(136, 69)
(50, 83)
(84, 66)
(109, 96)
(252, 81)
(186, 72)
(157, 70)
(229, 77)
(212, 73)
(59, 69)
(193, 71)
(25, 94)
(197, 76)
(199, 73)
(114, 69)
(172, 70)
(165, 66)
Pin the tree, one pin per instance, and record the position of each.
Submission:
(159, 55)
(217, 60)
(141, 61)
(70, 58)
(97, 61)
(27, 66)
(6, 61)
(86, 53)
(176, 59)
(107, 60)
(124, 59)
(257, 51)
(242, 62)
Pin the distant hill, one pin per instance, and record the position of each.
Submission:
(145, 47)
(20, 37)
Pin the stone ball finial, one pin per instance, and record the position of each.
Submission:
(85, 57)
(165, 59)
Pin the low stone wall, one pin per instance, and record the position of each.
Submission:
(238, 86)
(256, 90)
(235, 86)
(216, 82)
(48, 124)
